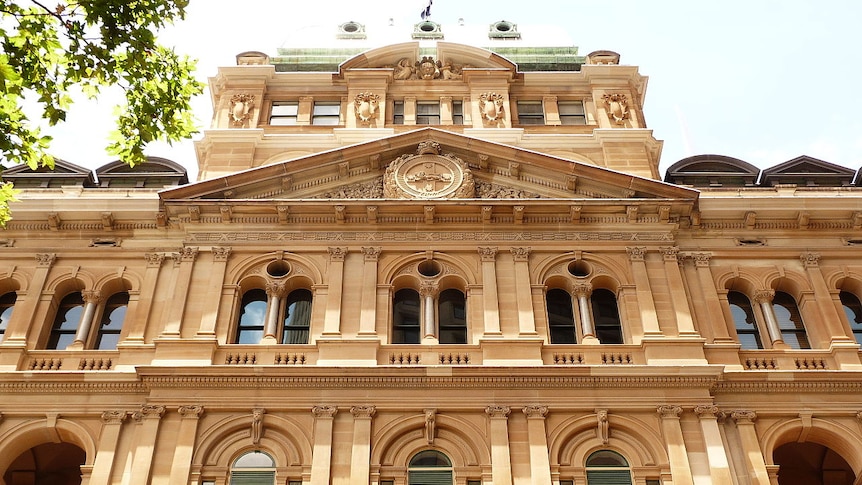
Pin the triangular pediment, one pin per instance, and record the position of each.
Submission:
(808, 171)
(63, 173)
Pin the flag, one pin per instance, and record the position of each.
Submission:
(426, 12)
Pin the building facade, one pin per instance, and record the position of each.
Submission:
(432, 263)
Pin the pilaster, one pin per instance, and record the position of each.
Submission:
(147, 419)
(361, 450)
(490, 301)
(332, 320)
(756, 466)
(675, 442)
(368, 299)
(540, 465)
(321, 454)
(649, 317)
(501, 461)
(719, 469)
(184, 449)
(523, 292)
(184, 261)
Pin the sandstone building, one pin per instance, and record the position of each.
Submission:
(432, 263)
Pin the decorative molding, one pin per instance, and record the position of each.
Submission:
(364, 411)
(114, 417)
(371, 253)
(497, 411)
(324, 411)
(487, 254)
(257, 424)
(149, 412)
(743, 416)
(669, 410)
(535, 411)
(810, 260)
(337, 253)
(154, 260)
(636, 253)
(764, 296)
(257, 237)
(707, 411)
(220, 253)
(521, 253)
(191, 411)
(45, 259)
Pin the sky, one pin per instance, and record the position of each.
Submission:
(764, 81)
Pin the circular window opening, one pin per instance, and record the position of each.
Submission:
(579, 268)
(350, 27)
(503, 26)
(429, 268)
(277, 269)
(427, 27)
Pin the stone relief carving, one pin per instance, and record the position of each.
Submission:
(426, 68)
(359, 190)
(428, 175)
(488, 190)
(365, 105)
(492, 108)
(618, 107)
(240, 108)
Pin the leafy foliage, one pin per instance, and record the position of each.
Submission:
(48, 50)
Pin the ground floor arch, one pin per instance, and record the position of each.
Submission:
(46, 464)
(810, 463)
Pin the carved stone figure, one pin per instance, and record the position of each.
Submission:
(240, 108)
(450, 71)
(404, 70)
(366, 106)
(491, 105)
(618, 108)
(427, 68)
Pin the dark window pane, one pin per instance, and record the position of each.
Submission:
(113, 316)
(561, 318)
(427, 113)
(66, 322)
(853, 310)
(457, 113)
(606, 317)
(452, 315)
(398, 113)
(252, 317)
(572, 113)
(405, 317)
(297, 317)
(531, 113)
(790, 321)
(430, 458)
(7, 304)
(743, 321)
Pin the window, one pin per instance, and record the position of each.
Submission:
(790, 321)
(327, 113)
(852, 308)
(606, 317)
(561, 317)
(66, 322)
(530, 113)
(297, 317)
(743, 320)
(572, 113)
(457, 113)
(452, 317)
(405, 317)
(7, 304)
(429, 467)
(427, 113)
(252, 317)
(253, 468)
(398, 113)
(284, 113)
(290, 320)
(111, 323)
(607, 467)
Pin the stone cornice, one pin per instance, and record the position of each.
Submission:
(238, 238)
(822, 385)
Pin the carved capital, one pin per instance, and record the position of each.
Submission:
(149, 412)
(521, 254)
(114, 417)
(764, 296)
(91, 296)
(636, 253)
(427, 289)
(191, 411)
(363, 411)
(221, 253)
(707, 411)
(810, 260)
(275, 289)
(45, 259)
(582, 290)
(324, 411)
(371, 253)
(186, 254)
(669, 411)
(154, 260)
(497, 411)
(743, 416)
(487, 254)
(535, 411)
(337, 253)
(670, 253)
(701, 260)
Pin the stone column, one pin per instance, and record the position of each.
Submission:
(24, 315)
(445, 110)
(322, 452)
(103, 466)
(649, 317)
(183, 264)
(582, 293)
(490, 299)
(713, 313)
(186, 434)
(676, 452)
(764, 299)
(91, 301)
(429, 329)
(523, 293)
(138, 324)
(216, 283)
(360, 456)
(756, 466)
(148, 419)
(719, 469)
(501, 461)
(274, 292)
(409, 110)
(825, 306)
(676, 286)
(332, 319)
(368, 299)
(540, 463)
(551, 109)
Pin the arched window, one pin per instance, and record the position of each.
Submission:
(853, 310)
(111, 324)
(405, 317)
(743, 320)
(429, 467)
(66, 321)
(790, 321)
(253, 468)
(452, 317)
(297, 317)
(561, 317)
(7, 303)
(606, 317)
(252, 317)
(606, 467)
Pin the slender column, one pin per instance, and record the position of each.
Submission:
(332, 320)
(138, 325)
(713, 314)
(180, 283)
(322, 451)
(751, 446)
(182, 463)
(148, 419)
(274, 292)
(540, 464)
(719, 469)
(490, 300)
(91, 301)
(676, 452)
(25, 312)
(360, 469)
(582, 293)
(825, 305)
(217, 271)
(427, 293)
(501, 461)
(764, 299)
(649, 317)
(103, 466)
(368, 301)
(523, 293)
(684, 323)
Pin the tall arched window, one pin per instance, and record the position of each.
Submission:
(405, 317)
(452, 317)
(743, 321)
(561, 317)
(606, 467)
(7, 304)
(429, 467)
(606, 317)
(253, 468)
(111, 324)
(790, 321)
(853, 310)
(252, 317)
(297, 317)
(66, 321)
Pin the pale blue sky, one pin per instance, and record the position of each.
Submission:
(760, 80)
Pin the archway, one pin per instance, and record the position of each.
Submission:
(47, 464)
(811, 464)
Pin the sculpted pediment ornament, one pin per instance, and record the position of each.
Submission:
(428, 175)
(426, 68)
